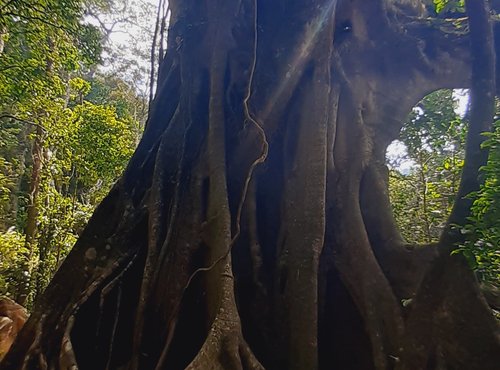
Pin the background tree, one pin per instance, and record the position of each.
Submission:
(252, 227)
(62, 145)
(434, 137)
(423, 195)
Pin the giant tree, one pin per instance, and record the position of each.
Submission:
(252, 228)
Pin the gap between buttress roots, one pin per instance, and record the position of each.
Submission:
(354, 257)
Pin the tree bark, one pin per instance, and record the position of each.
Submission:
(31, 214)
(252, 228)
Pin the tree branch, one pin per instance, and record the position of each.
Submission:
(481, 116)
(6, 115)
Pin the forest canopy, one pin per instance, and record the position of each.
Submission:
(70, 120)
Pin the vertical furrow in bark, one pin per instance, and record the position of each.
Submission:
(174, 267)
(182, 245)
(162, 110)
(304, 205)
(162, 210)
(353, 254)
(377, 211)
(332, 122)
(255, 248)
(365, 281)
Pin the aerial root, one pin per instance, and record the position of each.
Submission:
(36, 357)
(364, 278)
(67, 358)
(35, 350)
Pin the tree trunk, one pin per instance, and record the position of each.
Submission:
(252, 228)
(3, 35)
(31, 215)
(21, 155)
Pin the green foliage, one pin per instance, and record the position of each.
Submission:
(113, 91)
(85, 130)
(483, 230)
(12, 255)
(9, 167)
(103, 144)
(449, 6)
(434, 136)
(60, 221)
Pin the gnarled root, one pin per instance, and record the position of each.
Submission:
(225, 348)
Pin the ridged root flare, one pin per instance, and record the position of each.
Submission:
(224, 347)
